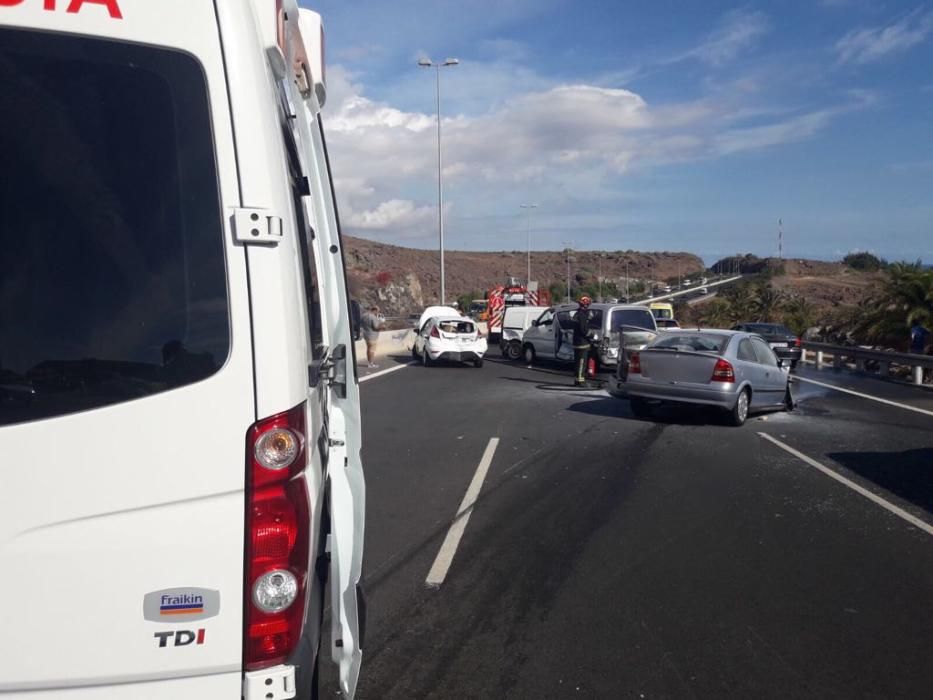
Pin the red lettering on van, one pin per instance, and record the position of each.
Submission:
(111, 5)
(73, 6)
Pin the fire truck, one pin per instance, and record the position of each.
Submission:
(513, 293)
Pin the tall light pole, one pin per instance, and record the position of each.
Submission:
(529, 207)
(599, 274)
(428, 63)
(569, 248)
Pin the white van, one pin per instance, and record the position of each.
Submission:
(516, 321)
(179, 413)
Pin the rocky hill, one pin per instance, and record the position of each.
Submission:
(404, 280)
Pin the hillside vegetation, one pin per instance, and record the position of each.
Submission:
(404, 280)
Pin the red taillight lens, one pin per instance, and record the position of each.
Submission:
(797, 342)
(722, 372)
(634, 364)
(435, 333)
(278, 523)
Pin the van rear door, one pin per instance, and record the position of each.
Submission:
(126, 385)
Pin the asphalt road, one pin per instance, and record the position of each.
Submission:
(612, 557)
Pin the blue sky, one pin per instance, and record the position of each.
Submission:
(651, 125)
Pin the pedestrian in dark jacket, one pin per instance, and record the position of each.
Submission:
(580, 323)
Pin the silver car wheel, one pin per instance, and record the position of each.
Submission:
(741, 408)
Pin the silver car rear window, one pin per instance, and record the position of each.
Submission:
(695, 342)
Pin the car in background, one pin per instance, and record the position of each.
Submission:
(479, 309)
(445, 335)
(550, 336)
(662, 309)
(784, 342)
(667, 324)
(515, 322)
(734, 371)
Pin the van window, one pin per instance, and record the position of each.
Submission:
(640, 318)
(565, 319)
(113, 284)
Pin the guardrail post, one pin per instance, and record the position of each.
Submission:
(837, 361)
(860, 364)
(884, 369)
(918, 374)
(819, 358)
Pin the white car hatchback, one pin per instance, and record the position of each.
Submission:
(444, 335)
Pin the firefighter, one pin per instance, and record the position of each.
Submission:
(581, 339)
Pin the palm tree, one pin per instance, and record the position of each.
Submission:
(768, 303)
(743, 302)
(906, 296)
(799, 314)
(718, 313)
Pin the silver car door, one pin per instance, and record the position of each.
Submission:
(775, 380)
(542, 335)
(564, 349)
(751, 369)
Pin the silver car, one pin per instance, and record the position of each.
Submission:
(735, 371)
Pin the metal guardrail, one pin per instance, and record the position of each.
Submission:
(841, 354)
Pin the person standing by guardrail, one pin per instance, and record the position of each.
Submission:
(372, 323)
(918, 338)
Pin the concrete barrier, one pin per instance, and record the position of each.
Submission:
(389, 343)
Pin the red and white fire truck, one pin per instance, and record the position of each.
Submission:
(513, 293)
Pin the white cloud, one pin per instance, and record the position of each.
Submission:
(875, 43)
(738, 31)
(568, 142)
(393, 214)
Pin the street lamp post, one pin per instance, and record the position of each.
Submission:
(569, 248)
(428, 63)
(599, 274)
(529, 207)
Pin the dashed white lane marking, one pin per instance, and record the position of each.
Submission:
(874, 498)
(385, 371)
(867, 396)
(445, 556)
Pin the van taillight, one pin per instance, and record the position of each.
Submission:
(722, 372)
(797, 342)
(634, 364)
(278, 521)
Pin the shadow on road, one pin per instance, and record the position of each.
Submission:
(566, 385)
(665, 413)
(908, 474)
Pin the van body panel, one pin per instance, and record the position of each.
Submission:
(109, 504)
(100, 507)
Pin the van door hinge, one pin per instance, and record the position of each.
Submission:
(332, 367)
(259, 226)
(277, 683)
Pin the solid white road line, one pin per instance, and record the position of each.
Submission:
(867, 396)
(445, 556)
(367, 377)
(899, 512)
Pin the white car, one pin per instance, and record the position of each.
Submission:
(444, 335)
(179, 414)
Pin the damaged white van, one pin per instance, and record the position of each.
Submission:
(179, 411)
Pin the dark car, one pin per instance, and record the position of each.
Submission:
(786, 344)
